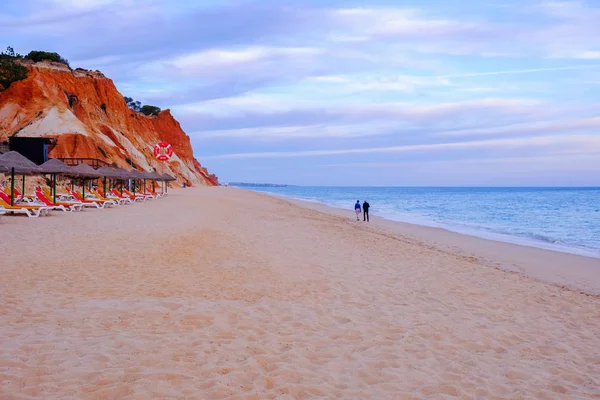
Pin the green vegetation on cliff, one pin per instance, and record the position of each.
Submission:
(10, 70)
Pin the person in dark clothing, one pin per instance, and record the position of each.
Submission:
(357, 209)
(366, 207)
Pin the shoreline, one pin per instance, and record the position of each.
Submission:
(575, 272)
(477, 232)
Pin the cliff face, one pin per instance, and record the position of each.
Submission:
(88, 116)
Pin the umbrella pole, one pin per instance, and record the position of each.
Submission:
(23, 192)
(144, 191)
(12, 187)
(104, 186)
(83, 188)
(54, 187)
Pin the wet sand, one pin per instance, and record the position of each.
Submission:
(219, 293)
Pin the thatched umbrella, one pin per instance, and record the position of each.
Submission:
(122, 174)
(154, 176)
(17, 164)
(167, 178)
(135, 174)
(147, 176)
(84, 172)
(55, 166)
(107, 172)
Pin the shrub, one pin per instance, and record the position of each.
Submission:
(10, 71)
(131, 103)
(38, 56)
(150, 110)
(103, 107)
(137, 106)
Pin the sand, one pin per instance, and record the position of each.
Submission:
(218, 293)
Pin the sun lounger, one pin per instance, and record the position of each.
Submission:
(30, 211)
(97, 193)
(86, 203)
(18, 194)
(126, 196)
(64, 206)
(112, 196)
(137, 196)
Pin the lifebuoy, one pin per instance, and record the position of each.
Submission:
(163, 155)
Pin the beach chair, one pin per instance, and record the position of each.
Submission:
(18, 195)
(137, 196)
(112, 196)
(96, 191)
(63, 206)
(125, 198)
(86, 203)
(30, 211)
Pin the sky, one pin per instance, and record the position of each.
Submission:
(343, 92)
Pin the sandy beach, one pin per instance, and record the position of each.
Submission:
(220, 293)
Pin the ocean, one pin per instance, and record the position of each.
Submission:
(562, 219)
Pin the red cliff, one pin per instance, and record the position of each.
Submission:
(89, 117)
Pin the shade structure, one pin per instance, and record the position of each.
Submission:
(4, 169)
(107, 172)
(168, 178)
(17, 164)
(55, 166)
(122, 173)
(135, 174)
(154, 176)
(84, 171)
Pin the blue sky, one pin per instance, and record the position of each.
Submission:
(349, 92)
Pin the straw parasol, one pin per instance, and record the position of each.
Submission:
(55, 166)
(167, 178)
(84, 172)
(17, 164)
(153, 176)
(107, 172)
(135, 174)
(122, 174)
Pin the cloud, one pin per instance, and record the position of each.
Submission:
(538, 141)
(295, 117)
(554, 126)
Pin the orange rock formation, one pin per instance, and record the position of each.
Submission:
(89, 117)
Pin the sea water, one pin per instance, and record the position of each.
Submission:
(562, 219)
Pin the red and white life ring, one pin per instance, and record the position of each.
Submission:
(163, 155)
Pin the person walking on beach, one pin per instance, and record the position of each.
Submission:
(357, 209)
(366, 207)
